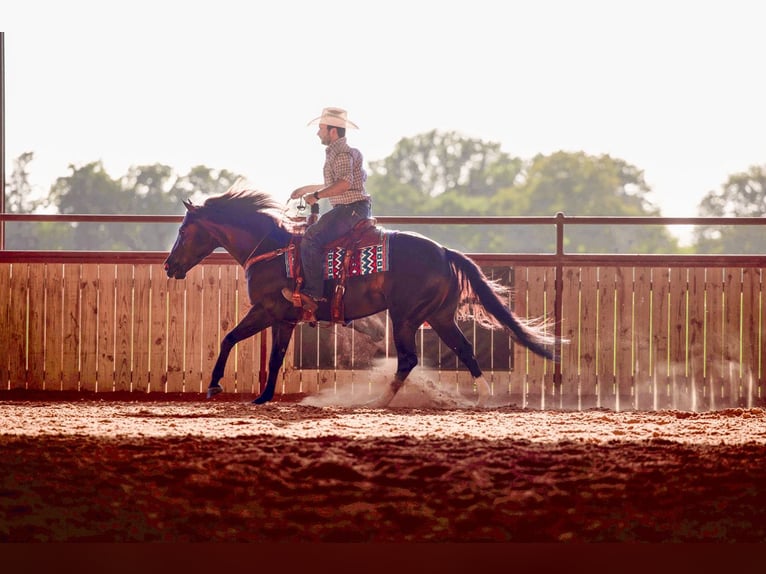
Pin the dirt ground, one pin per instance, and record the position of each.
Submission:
(131, 467)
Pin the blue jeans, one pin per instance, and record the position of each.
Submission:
(336, 222)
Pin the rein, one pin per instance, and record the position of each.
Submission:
(253, 259)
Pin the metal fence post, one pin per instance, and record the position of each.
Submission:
(558, 301)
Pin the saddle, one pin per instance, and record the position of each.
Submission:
(340, 254)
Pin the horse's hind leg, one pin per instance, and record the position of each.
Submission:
(407, 359)
(453, 337)
(281, 333)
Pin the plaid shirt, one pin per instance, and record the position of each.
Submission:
(344, 162)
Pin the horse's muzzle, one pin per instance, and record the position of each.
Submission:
(174, 273)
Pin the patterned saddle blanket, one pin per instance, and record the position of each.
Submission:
(369, 254)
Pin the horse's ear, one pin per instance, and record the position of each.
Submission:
(188, 205)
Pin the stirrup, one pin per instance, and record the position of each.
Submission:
(299, 299)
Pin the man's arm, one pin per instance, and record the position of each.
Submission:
(301, 191)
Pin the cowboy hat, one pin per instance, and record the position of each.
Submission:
(334, 117)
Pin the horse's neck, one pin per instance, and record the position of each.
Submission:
(243, 243)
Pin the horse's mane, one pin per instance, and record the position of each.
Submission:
(240, 203)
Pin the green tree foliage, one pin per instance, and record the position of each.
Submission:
(19, 199)
(446, 174)
(581, 184)
(89, 189)
(743, 195)
(442, 173)
(437, 162)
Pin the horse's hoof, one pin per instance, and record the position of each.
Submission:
(263, 399)
(379, 403)
(213, 391)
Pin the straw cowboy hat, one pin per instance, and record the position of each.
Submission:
(334, 117)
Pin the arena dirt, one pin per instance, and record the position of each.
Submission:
(130, 467)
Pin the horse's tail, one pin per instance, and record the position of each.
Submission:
(480, 299)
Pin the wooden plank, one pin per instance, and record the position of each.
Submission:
(195, 330)
(714, 339)
(344, 384)
(211, 345)
(16, 349)
(325, 382)
(483, 338)
(53, 326)
(306, 340)
(589, 294)
(123, 365)
(660, 337)
(446, 364)
(6, 333)
(623, 374)
(158, 329)
(248, 357)
(88, 326)
(519, 381)
(463, 383)
(141, 327)
(605, 339)
(539, 379)
(677, 332)
(175, 335)
(444, 369)
(760, 388)
(290, 381)
(228, 318)
(36, 329)
(696, 338)
(106, 328)
(643, 372)
(245, 353)
(751, 286)
(70, 353)
(346, 377)
(732, 290)
(429, 348)
(570, 330)
(500, 351)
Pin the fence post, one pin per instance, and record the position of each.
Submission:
(558, 300)
(2, 137)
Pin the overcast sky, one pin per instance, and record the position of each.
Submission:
(675, 88)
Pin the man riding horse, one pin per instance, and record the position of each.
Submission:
(344, 178)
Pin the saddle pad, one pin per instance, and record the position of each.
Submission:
(364, 261)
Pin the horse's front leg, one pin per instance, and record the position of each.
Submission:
(281, 333)
(252, 323)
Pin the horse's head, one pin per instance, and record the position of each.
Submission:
(193, 244)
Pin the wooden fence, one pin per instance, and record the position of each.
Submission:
(644, 332)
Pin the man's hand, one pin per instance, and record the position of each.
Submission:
(305, 190)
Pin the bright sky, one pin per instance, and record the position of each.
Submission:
(673, 87)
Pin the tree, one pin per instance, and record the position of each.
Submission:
(442, 173)
(743, 195)
(202, 182)
(148, 189)
(582, 184)
(19, 195)
(438, 162)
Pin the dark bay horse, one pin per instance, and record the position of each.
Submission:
(425, 282)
